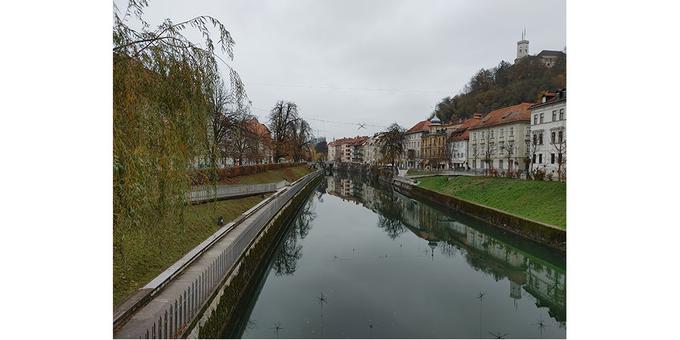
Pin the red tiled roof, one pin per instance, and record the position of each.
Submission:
(420, 126)
(552, 97)
(259, 129)
(519, 112)
(463, 131)
(358, 140)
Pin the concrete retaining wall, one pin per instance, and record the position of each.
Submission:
(533, 230)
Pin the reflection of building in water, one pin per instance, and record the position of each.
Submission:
(547, 285)
(539, 278)
(330, 188)
(515, 290)
(542, 280)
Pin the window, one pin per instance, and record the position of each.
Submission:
(559, 158)
(540, 158)
(511, 131)
(554, 115)
(540, 138)
(560, 137)
(552, 158)
(501, 132)
(491, 133)
(535, 141)
(534, 159)
(541, 118)
(561, 114)
(500, 164)
(552, 137)
(535, 119)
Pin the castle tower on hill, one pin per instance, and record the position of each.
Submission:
(523, 46)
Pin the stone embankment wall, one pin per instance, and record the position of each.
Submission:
(539, 232)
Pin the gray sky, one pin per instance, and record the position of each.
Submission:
(374, 62)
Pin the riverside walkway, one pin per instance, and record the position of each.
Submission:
(207, 192)
(169, 305)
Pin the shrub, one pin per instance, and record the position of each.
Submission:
(206, 176)
(539, 175)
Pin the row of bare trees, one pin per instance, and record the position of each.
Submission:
(234, 132)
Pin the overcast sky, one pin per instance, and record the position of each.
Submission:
(375, 62)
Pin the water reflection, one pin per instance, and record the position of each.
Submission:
(398, 213)
(379, 264)
(290, 250)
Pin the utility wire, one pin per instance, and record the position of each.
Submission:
(363, 124)
(349, 88)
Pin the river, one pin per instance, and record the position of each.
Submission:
(363, 261)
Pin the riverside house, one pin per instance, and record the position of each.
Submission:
(433, 146)
(458, 142)
(499, 140)
(412, 144)
(549, 129)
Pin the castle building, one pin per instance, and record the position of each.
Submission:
(548, 57)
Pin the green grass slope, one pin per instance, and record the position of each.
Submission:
(537, 200)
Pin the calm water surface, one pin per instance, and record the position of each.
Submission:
(363, 261)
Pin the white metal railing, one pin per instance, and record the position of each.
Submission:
(206, 192)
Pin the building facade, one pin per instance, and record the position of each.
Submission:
(372, 154)
(458, 142)
(412, 144)
(548, 144)
(499, 140)
(356, 149)
(433, 146)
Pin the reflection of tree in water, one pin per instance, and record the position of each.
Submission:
(448, 249)
(390, 214)
(290, 252)
(321, 190)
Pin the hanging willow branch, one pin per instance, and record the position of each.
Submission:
(164, 106)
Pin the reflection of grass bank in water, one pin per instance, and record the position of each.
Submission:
(541, 201)
(143, 254)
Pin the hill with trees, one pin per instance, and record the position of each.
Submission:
(504, 85)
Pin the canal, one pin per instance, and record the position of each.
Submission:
(360, 260)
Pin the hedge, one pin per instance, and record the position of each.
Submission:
(206, 176)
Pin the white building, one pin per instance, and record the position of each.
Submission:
(372, 153)
(412, 143)
(549, 133)
(499, 141)
(331, 151)
(458, 142)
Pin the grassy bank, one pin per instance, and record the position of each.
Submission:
(143, 254)
(537, 200)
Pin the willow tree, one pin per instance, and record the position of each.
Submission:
(163, 88)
